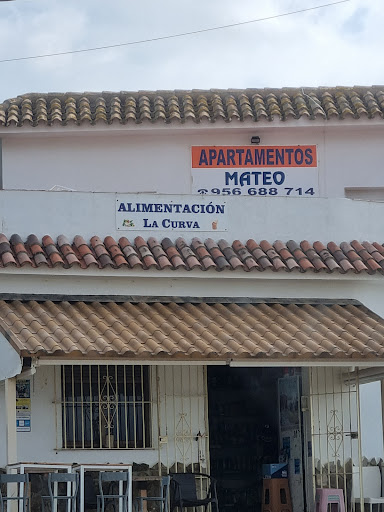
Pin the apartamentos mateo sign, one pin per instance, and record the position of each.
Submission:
(150, 212)
(262, 171)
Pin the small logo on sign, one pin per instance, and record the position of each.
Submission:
(128, 223)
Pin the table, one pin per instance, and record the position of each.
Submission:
(82, 468)
(38, 467)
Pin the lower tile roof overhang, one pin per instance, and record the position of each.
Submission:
(189, 332)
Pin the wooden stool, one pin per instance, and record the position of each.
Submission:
(325, 497)
(276, 495)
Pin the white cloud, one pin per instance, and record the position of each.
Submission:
(337, 45)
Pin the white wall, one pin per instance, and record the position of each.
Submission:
(181, 403)
(10, 361)
(284, 218)
(368, 290)
(371, 420)
(156, 160)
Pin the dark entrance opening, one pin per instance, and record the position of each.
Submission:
(244, 432)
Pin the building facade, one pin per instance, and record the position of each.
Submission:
(192, 281)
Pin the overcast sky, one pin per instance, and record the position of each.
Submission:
(338, 45)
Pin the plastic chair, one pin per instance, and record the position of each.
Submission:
(184, 491)
(113, 478)
(163, 498)
(371, 486)
(71, 481)
(22, 482)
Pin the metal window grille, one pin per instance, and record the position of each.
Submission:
(106, 406)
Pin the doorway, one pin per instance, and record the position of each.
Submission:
(244, 430)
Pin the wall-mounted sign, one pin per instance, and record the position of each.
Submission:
(23, 406)
(175, 213)
(262, 171)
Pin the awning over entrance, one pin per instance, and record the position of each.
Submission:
(192, 331)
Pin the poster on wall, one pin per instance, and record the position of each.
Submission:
(289, 397)
(23, 406)
(150, 212)
(259, 171)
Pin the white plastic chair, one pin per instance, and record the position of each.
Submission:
(371, 486)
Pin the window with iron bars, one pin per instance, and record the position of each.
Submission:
(106, 406)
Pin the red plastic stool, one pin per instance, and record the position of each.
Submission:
(325, 497)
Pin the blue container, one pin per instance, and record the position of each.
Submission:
(275, 470)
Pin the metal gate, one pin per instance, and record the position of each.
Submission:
(335, 425)
(183, 418)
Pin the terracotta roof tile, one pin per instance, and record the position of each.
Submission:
(245, 255)
(8, 259)
(230, 254)
(35, 251)
(130, 253)
(159, 254)
(379, 247)
(217, 256)
(379, 258)
(200, 331)
(144, 252)
(274, 257)
(365, 256)
(23, 259)
(198, 255)
(173, 254)
(197, 106)
(312, 255)
(115, 252)
(18, 248)
(203, 254)
(6, 255)
(349, 251)
(101, 253)
(188, 254)
(85, 257)
(326, 256)
(259, 254)
(82, 246)
(293, 255)
(340, 257)
(67, 252)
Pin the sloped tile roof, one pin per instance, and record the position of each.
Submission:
(192, 331)
(220, 255)
(194, 106)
